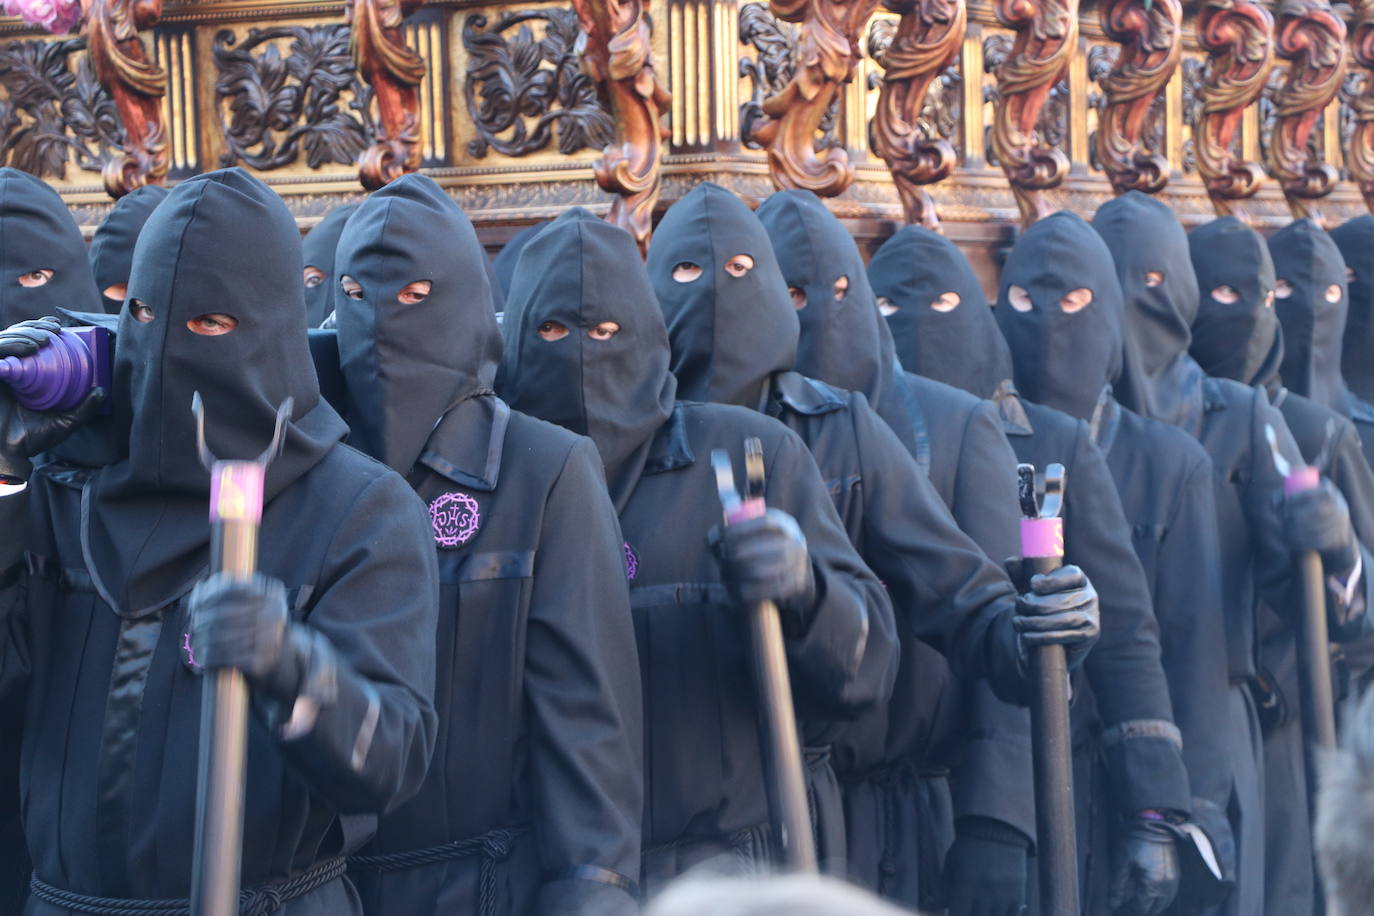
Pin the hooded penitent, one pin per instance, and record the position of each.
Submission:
(1310, 299)
(1355, 239)
(503, 265)
(842, 338)
(1150, 250)
(1059, 308)
(112, 246)
(575, 276)
(235, 251)
(317, 251)
(407, 364)
(1236, 333)
(43, 265)
(940, 320)
(730, 320)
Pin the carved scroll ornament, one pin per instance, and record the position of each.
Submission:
(1359, 153)
(827, 52)
(617, 51)
(1237, 36)
(280, 106)
(135, 83)
(1151, 43)
(394, 72)
(1046, 37)
(927, 41)
(1311, 37)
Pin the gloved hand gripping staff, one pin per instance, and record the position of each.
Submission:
(1042, 551)
(777, 719)
(236, 489)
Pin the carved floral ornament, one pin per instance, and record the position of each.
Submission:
(1359, 158)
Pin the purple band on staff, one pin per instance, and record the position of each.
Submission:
(749, 508)
(236, 491)
(1042, 537)
(1303, 478)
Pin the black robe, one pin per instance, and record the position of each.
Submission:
(704, 780)
(534, 796)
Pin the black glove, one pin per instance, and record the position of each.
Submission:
(765, 559)
(23, 432)
(1059, 609)
(1319, 519)
(986, 869)
(244, 624)
(1145, 871)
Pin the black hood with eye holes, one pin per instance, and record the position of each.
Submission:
(37, 232)
(1237, 340)
(839, 337)
(961, 347)
(580, 271)
(728, 334)
(1061, 359)
(222, 242)
(406, 365)
(1355, 239)
(317, 250)
(1313, 327)
(1160, 379)
(503, 265)
(112, 246)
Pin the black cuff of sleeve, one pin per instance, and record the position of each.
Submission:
(995, 831)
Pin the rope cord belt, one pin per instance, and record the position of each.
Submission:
(493, 846)
(256, 901)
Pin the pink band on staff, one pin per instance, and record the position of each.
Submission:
(749, 508)
(1042, 537)
(1302, 479)
(236, 491)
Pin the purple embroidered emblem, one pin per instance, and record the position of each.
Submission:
(631, 562)
(190, 657)
(455, 518)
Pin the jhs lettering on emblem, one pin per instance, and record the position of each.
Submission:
(455, 517)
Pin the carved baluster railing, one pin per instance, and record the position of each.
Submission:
(617, 52)
(1238, 38)
(927, 40)
(1151, 43)
(827, 52)
(1359, 154)
(1046, 38)
(394, 71)
(135, 83)
(1311, 37)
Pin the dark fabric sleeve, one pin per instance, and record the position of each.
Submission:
(378, 602)
(964, 602)
(15, 663)
(583, 693)
(843, 658)
(1276, 577)
(1188, 605)
(1141, 742)
(985, 499)
(1348, 470)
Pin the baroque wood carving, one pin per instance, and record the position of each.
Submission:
(1311, 37)
(1150, 37)
(52, 115)
(394, 72)
(617, 53)
(927, 40)
(309, 101)
(826, 53)
(1046, 37)
(770, 70)
(1237, 36)
(1359, 146)
(520, 90)
(135, 83)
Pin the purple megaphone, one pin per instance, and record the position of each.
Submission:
(60, 375)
